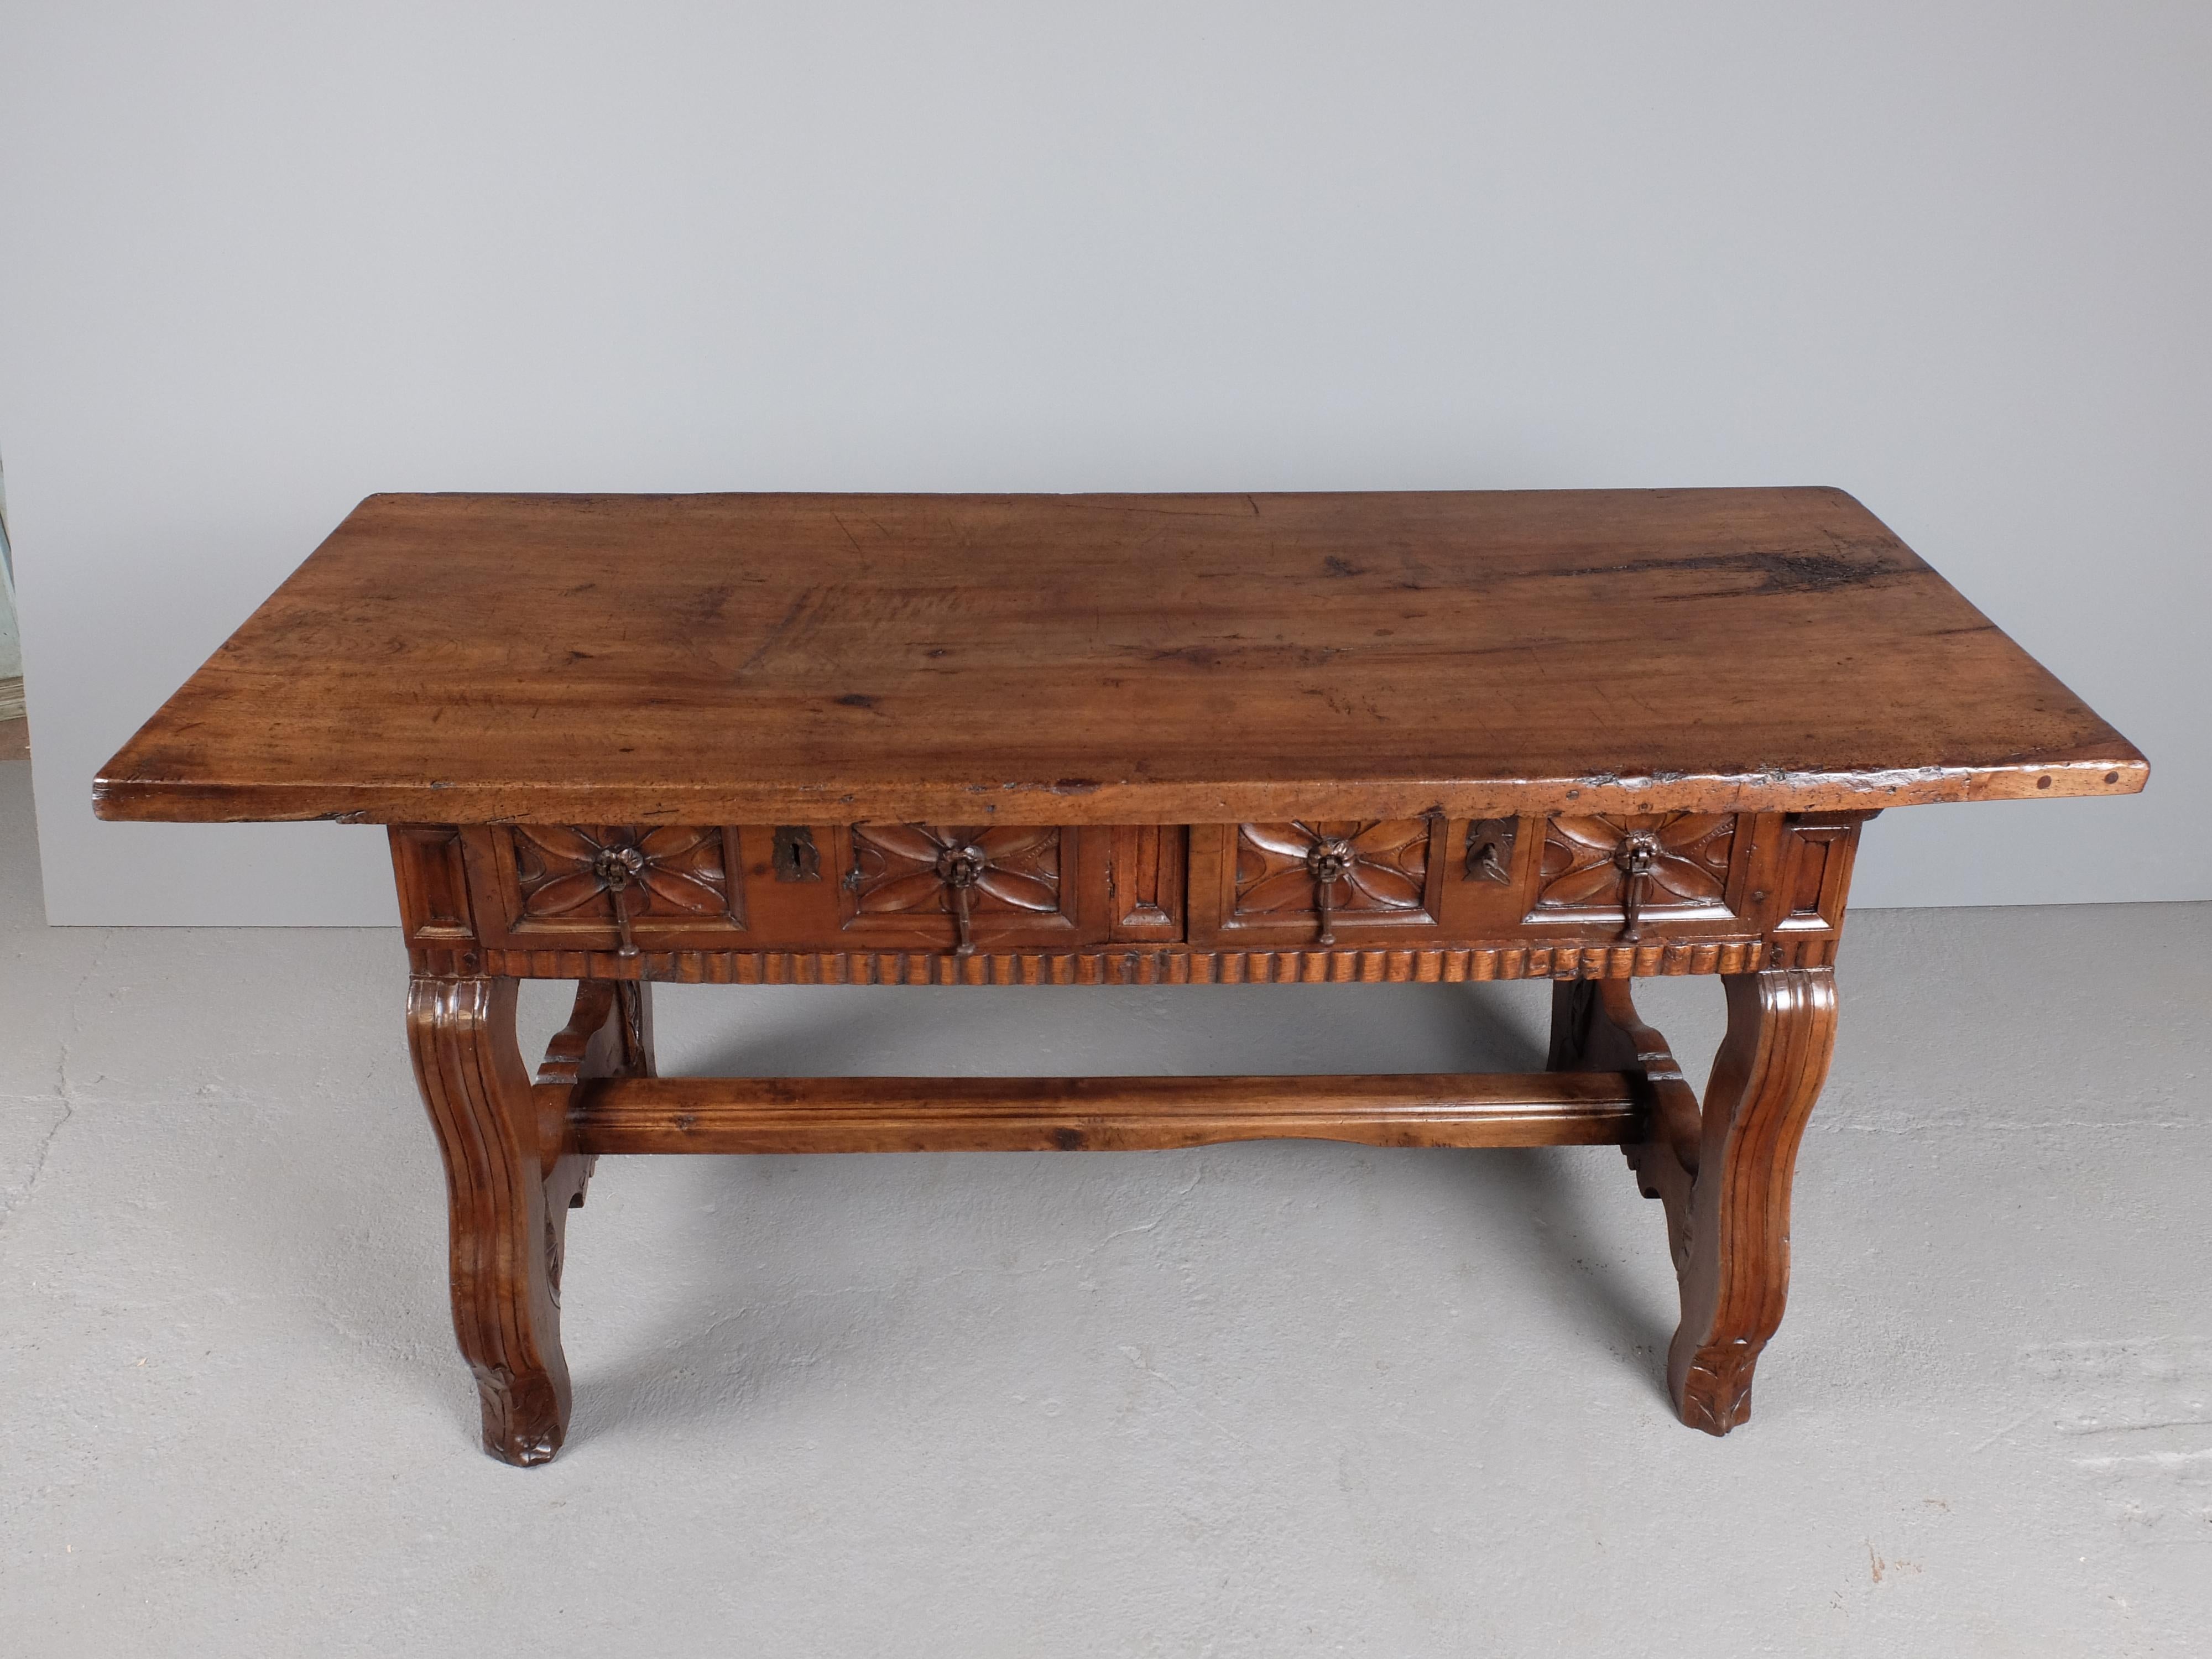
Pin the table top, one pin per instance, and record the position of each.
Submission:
(1094, 658)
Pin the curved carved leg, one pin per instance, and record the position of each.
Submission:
(1780, 1031)
(1724, 1171)
(506, 1223)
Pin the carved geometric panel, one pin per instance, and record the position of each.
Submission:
(433, 884)
(904, 867)
(970, 886)
(1146, 885)
(667, 872)
(1366, 871)
(1815, 871)
(1592, 865)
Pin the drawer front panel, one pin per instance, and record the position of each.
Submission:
(1292, 882)
(934, 886)
(1585, 880)
(920, 878)
(587, 886)
(596, 887)
(1670, 866)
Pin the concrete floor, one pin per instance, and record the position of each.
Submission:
(1263, 1400)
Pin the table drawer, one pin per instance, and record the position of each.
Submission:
(1314, 882)
(969, 887)
(926, 887)
(1629, 871)
(1583, 879)
(600, 886)
(1428, 880)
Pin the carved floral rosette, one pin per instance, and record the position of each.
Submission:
(904, 867)
(666, 872)
(1384, 866)
(1683, 858)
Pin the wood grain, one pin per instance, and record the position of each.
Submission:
(1093, 660)
(1121, 1114)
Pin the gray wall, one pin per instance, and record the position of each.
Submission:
(264, 260)
(11, 646)
(11, 643)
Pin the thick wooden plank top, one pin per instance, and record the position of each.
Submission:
(1092, 659)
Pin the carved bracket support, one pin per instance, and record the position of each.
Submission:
(1596, 1027)
(609, 1034)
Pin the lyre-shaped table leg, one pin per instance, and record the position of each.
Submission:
(512, 1174)
(505, 1228)
(1768, 1072)
(1724, 1170)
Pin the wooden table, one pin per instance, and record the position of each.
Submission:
(1582, 736)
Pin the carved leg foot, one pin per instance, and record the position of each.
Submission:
(1780, 1031)
(502, 1172)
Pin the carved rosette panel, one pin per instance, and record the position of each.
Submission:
(621, 874)
(1633, 866)
(957, 870)
(1310, 868)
